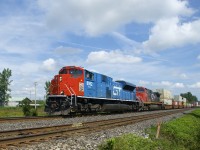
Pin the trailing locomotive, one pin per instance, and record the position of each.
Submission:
(76, 89)
(149, 99)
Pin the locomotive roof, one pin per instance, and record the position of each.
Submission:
(126, 83)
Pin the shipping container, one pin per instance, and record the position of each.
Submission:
(196, 104)
(175, 104)
(178, 98)
(167, 101)
(180, 104)
(164, 94)
(184, 100)
(188, 105)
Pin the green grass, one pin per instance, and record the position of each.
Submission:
(180, 134)
(17, 111)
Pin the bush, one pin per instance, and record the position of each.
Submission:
(34, 112)
(27, 109)
(129, 142)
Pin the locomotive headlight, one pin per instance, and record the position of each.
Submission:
(62, 93)
(60, 79)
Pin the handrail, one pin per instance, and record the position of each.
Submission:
(75, 96)
(72, 94)
(68, 89)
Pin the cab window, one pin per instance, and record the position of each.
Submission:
(75, 73)
(104, 78)
(63, 71)
(140, 89)
(89, 75)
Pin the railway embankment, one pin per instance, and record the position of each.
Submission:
(180, 133)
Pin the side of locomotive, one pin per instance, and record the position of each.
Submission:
(76, 89)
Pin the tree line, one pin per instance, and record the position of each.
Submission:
(191, 98)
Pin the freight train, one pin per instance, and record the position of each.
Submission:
(76, 89)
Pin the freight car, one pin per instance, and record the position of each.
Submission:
(76, 89)
(161, 99)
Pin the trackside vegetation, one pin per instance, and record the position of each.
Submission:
(18, 111)
(179, 134)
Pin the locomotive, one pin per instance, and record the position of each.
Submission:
(75, 89)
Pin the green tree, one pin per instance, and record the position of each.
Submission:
(4, 86)
(191, 98)
(47, 87)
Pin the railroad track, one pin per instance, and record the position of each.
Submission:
(17, 119)
(27, 136)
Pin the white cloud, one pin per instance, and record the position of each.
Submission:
(67, 50)
(198, 57)
(169, 33)
(49, 64)
(112, 57)
(195, 85)
(162, 83)
(141, 82)
(101, 16)
(179, 85)
(167, 84)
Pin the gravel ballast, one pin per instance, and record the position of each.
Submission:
(90, 141)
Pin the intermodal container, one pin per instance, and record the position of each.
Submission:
(167, 101)
(164, 94)
(178, 98)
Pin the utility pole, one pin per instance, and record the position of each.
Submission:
(30, 94)
(35, 83)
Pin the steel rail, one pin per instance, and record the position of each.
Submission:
(37, 134)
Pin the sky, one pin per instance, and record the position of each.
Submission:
(151, 43)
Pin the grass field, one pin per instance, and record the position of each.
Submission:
(17, 111)
(179, 134)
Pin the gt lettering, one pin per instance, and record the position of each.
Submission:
(116, 90)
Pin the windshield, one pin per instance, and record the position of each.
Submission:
(63, 71)
(139, 89)
(75, 73)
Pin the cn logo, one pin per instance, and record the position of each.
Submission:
(89, 84)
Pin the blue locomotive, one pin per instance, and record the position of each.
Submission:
(76, 89)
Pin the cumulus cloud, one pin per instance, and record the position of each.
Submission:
(112, 57)
(67, 50)
(49, 64)
(162, 83)
(169, 33)
(96, 17)
(168, 84)
(179, 85)
(195, 85)
(141, 82)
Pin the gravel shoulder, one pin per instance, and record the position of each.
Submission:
(88, 142)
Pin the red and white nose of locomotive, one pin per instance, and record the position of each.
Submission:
(70, 80)
(55, 85)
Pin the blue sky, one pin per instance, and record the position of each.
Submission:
(152, 43)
